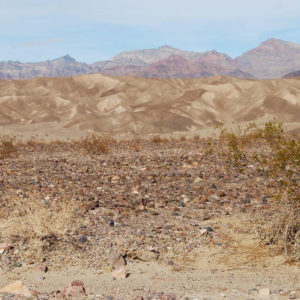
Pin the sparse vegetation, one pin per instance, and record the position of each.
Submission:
(32, 221)
(283, 165)
(279, 158)
(96, 144)
(8, 147)
(156, 139)
(274, 156)
(136, 143)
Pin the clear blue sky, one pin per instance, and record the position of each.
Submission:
(93, 30)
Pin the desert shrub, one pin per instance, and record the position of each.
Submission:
(136, 143)
(96, 144)
(39, 225)
(272, 132)
(208, 147)
(283, 165)
(156, 139)
(234, 153)
(277, 155)
(8, 147)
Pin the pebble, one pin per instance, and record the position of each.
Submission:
(264, 292)
(120, 273)
(74, 289)
(82, 239)
(17, 264)
(16, 288)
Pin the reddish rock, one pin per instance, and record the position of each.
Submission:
(74, 289)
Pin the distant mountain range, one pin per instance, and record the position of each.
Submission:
(273, 58)
(292, 74)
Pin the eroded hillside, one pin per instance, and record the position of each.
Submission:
(72, 106)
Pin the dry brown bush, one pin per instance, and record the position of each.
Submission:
(136, 143)
(156, 139)
(8, 147)
(35, 223)
(96, 144)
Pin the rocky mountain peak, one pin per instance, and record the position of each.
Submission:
(66, 59)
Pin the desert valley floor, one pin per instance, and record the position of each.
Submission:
(155, 217)
(164, 205)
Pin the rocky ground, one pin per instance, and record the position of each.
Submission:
(152, 220)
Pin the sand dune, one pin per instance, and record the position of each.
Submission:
(75, 106)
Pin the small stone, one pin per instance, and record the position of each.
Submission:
(115, 179)
(16, 288)
(17, 264)
(203, 199)
(82, 239)
(74, 289)
(203, 231)
(111, 223)
(213, 186)
(198, 179)
(23, 247)
(221, 194)
(5, 246)
(214, 198)
(209, 229)
(265, 292)
(121, 273)
(185, 199)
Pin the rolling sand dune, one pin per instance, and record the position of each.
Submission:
(74, 106)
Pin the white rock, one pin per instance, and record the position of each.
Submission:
(120, 273)
(16, 288)
(203, 231)
(265, 292)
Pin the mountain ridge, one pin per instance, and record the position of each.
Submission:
(273, 58)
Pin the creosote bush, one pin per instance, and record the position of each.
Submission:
(278, 158)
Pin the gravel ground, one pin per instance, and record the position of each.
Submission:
(173, 217)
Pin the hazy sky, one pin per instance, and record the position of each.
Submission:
(93, 30)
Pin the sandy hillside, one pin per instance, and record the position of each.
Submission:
(75, 106)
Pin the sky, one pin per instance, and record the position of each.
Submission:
(95, 30)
